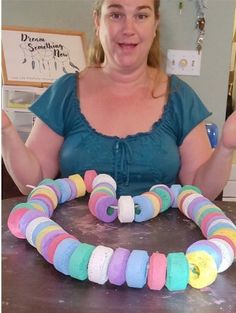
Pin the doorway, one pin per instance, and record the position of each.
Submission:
(231, 99)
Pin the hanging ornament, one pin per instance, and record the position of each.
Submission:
(201, 22)
(181, 5)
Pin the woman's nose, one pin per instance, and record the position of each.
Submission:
(129, 27)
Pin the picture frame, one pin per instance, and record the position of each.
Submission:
(37, 57)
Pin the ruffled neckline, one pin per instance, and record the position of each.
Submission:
(173, 79)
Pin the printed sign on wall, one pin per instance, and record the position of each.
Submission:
(38, 57)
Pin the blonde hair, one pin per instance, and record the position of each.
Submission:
(96, 53)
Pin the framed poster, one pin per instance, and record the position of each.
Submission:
(37, 57)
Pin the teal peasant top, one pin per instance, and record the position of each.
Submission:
(136, 162)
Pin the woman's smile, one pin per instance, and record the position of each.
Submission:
(127, 47)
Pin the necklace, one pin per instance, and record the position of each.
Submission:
(198, 266)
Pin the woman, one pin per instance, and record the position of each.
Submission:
(122, 116)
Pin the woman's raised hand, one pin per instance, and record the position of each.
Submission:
(6, 122)
(229, 132)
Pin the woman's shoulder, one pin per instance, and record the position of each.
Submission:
(183, 99)
(66, 79)
(63, 85)
(180, 86)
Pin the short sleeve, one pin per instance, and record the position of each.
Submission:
(54, 107)
(189, 110)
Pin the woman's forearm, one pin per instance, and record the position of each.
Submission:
(213, 175)
(20, 162)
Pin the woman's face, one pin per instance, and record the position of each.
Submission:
(126, 30)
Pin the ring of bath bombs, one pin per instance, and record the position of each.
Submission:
(23, 205)
(63, 253)
(104, 210)
(27, 218)
(80, 185)
(93, 200)
(44, 191)
(156, 202)
(136, 269)
(49, 237)
(166, 188)
(73, 188)
(49, 255)
(209, 247)
(43, 198)
(109, 191)
(191, 188)
(40, 205)
(203, 271)
(207, 209)
(39, 228)
(220, 225)
(13, 222)
(175, 188)
(144, 211)
(65, 189)
(165, 197)
(223, 219)
(195, 206)
(31, 227)
(172, 195)
(88, 179)
(157, 271)
(18, 217)
(230, 233)
(53, 185)
(42, 233)
(182, 195)
(214, 217)
(104, 188)
(98, 264)
(117, 266)
(78, 263)
(228, 240)
(104, 178)
(198, 200)
(177, 271)
(195, 209)
(109, 187)
(52, 241)
(189, 200)
(126, 209)
(208, 219)
(227, 254)
(186, 190)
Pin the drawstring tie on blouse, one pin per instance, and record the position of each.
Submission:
(123, 158)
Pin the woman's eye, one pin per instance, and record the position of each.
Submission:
(142, 16)
(116, 16)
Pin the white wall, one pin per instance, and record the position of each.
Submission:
(177, 32)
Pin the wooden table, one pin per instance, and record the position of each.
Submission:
(30, 284)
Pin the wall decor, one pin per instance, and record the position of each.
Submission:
(37, 57)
